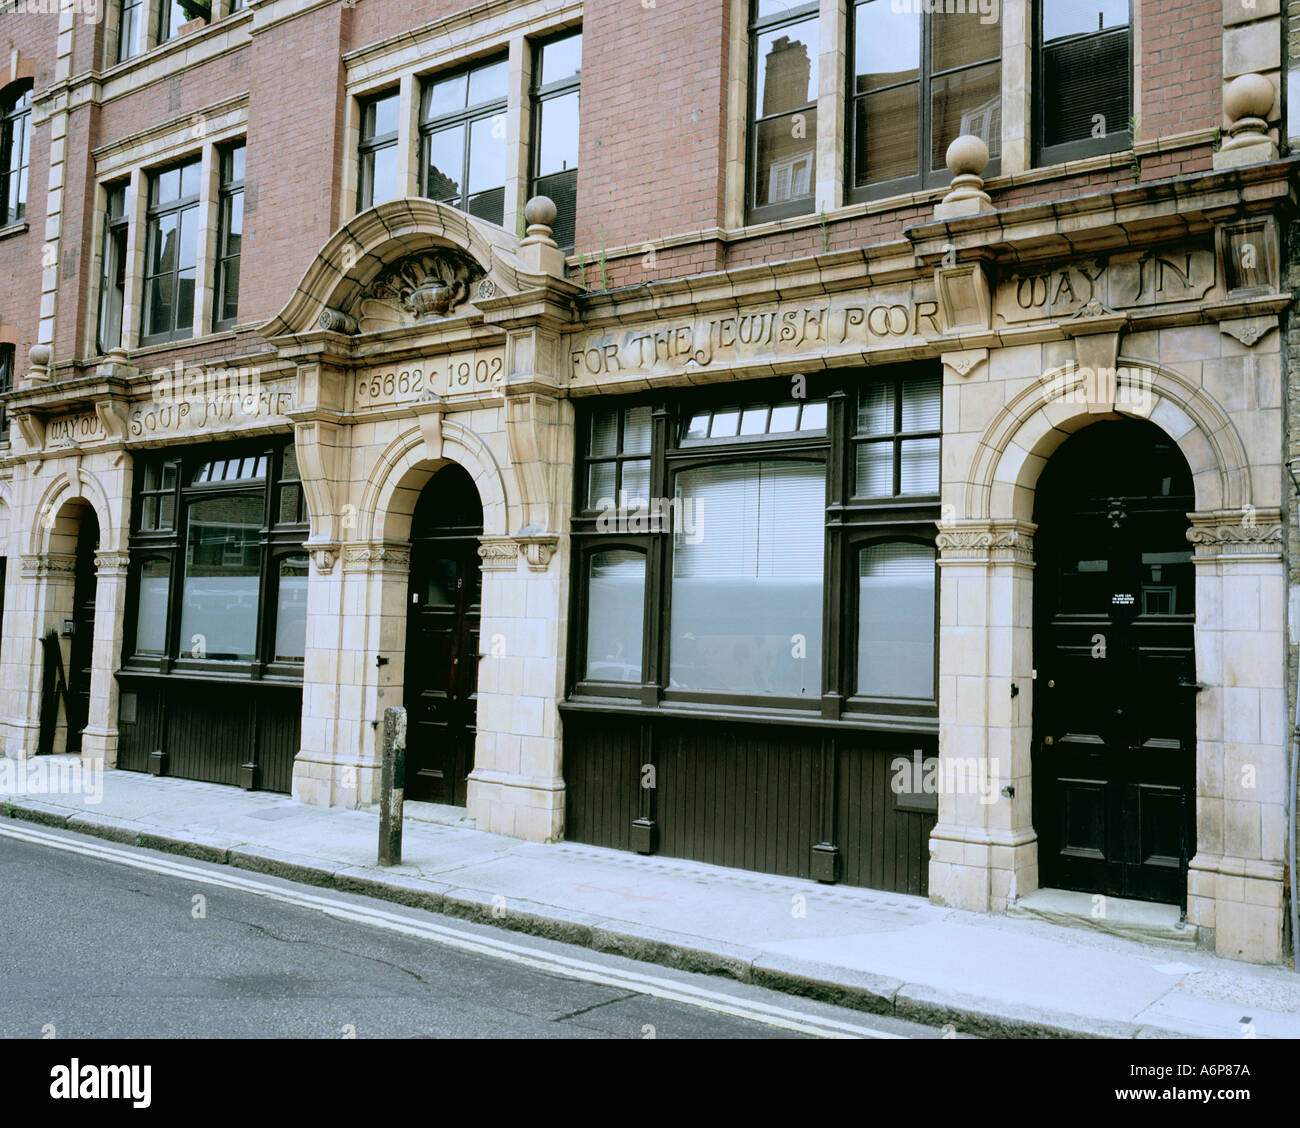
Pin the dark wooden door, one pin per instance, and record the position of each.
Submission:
(83, 631)
(1114, 754)
(442, 639)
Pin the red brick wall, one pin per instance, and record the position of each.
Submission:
(653, 114)
(652, 159)
(295, 155)
(1181, 67)
(33, 36)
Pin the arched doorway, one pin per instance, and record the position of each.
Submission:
(1114, 619)
(444, 608)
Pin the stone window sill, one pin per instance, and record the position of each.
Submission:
(13, 229)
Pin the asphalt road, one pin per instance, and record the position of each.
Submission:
(91, 948)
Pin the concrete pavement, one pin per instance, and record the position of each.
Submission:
(1023, 974)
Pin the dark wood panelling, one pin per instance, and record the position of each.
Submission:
(750, 796)
(210, 731)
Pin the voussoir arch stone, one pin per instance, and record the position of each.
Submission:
(1028, 429)
(405, 465)
(60, 491)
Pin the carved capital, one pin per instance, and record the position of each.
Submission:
(323, 557)
(1237, 532)
(538, 550)
(61, 565)
(985, 542)
(376, 558)
(498, 554)
(112, 563)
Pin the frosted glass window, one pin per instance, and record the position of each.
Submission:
(151, 612)
(896, 620)
(291, 609)
(747, 579)
(222, 560)
(615, 615)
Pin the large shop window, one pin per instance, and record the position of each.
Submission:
(783, 45)
(218, 571)
(463, 140)
(920, 80)
(1084, 79)
(762, 551)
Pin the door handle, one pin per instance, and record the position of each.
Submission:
(1186, 683)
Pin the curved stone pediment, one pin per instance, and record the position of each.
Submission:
(402, 263)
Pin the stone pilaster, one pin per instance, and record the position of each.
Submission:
(1236, 878)
(983, 850)
(99, 740)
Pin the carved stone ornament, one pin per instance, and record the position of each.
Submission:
(1237, 531)
(417, 289)
(1247, 330)
(498, 555)
(986, 541)
(376, 558)
(538, 550)
(112, 563)
(61, 564)
(323, 557)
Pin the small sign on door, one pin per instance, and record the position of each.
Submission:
(1122, 599)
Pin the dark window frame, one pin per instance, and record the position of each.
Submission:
(538, 95)
(140, 14)
(1115, 141)
(154, 213)
(925, 178)
(6, 385)
(229, 187)
(465, 117)
(275, 540)
(190, 9)
(851, 523)
(369, 145)
(896, 437)
(15, 129)
(113, 265)
(764, 213)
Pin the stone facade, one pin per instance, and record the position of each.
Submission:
(1056, 299)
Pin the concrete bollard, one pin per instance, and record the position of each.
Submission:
(392, 787)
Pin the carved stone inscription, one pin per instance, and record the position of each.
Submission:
(268, 402)
(885, 318)
(1127, 281)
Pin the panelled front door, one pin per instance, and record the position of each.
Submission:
(1114, 753)
(83, 631)
(442, 639)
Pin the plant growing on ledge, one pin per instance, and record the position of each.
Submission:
(826, 233)
(1134, 161)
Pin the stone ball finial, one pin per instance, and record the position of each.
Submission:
(967, 156)
(40, 356)
(540, 211)
(1248, 95)
(539, 214)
